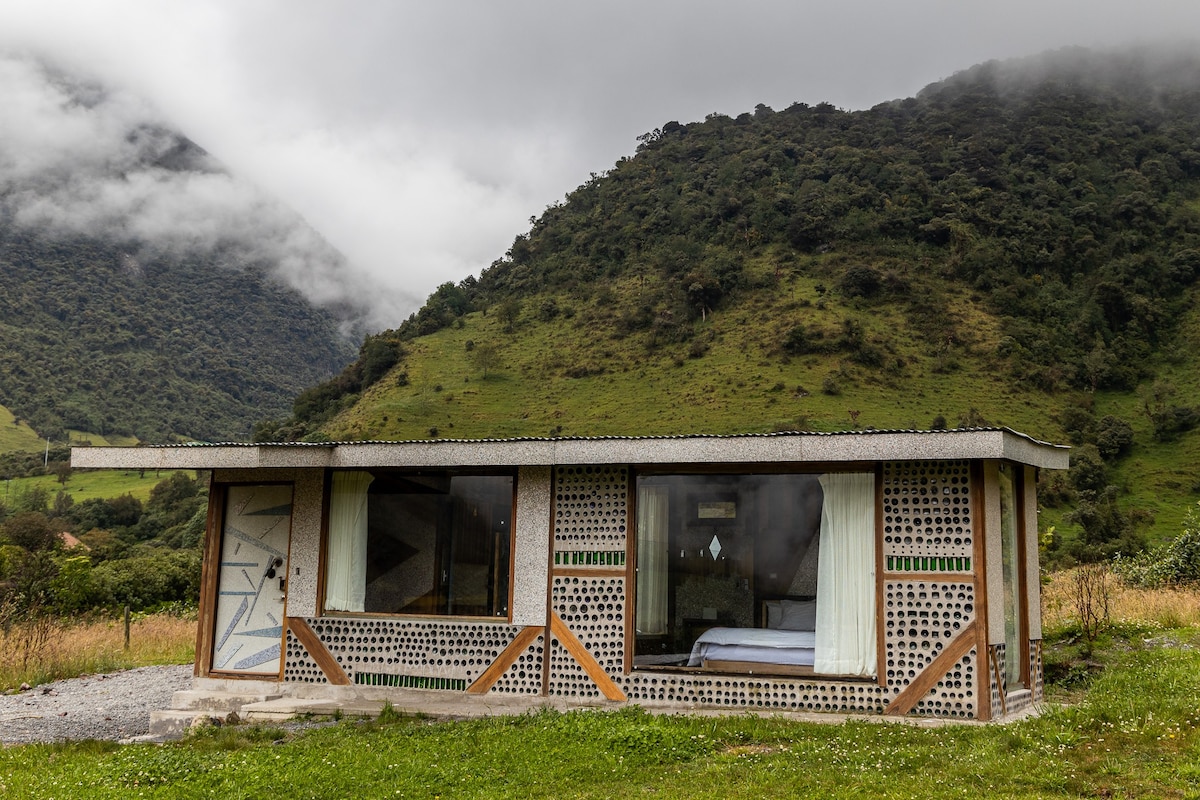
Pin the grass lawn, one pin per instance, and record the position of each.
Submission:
(1123, 722)
(1135, 733)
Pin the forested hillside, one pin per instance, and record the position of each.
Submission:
(1017, 245)
(97, 339)
(141, 285)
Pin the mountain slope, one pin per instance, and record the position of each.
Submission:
(143, 286)
(1017, 245)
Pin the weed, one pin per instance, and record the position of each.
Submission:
(388, 715)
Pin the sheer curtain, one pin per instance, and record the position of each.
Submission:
(651, 612)
(346, 559)
(845, 642)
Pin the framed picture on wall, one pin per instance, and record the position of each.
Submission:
(716, 508)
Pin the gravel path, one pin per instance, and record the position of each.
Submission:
(113, 706)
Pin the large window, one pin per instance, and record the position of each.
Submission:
(429, 542)
(757, 573)
(1014, 589)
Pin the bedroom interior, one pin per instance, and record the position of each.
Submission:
(729, 570)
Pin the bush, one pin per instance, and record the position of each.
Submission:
(145, 581)
(1176, 563)
(1087, 472)
(860, 281)
(1114, 437)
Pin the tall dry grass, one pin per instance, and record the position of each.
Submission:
(47, 648)
(1168, 608)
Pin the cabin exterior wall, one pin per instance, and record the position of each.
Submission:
(941, 650)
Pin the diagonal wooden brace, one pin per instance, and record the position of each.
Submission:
(316, 649)
(585, 659)
(911, 695)
(505, 660)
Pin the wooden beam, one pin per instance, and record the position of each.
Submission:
(881, 579)
(1001, 683)
(209, 570)
(911, 695)
(316, 649)
(505, 660)
(979, 534)
(585, 659)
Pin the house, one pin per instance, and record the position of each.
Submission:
(879, 572)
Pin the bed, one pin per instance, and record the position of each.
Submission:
(787, 641)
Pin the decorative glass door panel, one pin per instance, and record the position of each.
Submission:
(252, 587)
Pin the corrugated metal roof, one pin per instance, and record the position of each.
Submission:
(682, 436)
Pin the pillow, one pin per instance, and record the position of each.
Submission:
(798, 615)
(774, 613)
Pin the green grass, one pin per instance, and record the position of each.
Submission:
(1135, 733)
(16, 436)
(19, 437)
(741, 382)
(89, 484)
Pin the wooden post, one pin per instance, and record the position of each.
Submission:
(126, 627)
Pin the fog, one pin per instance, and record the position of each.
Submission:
(79, 159)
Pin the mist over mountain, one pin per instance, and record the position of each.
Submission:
(147, 291)
(78, 158)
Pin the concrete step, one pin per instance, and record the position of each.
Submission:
(172, 724)
(217, 703)
(282, 709)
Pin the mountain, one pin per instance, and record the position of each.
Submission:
(145, 289)
(1017, 245)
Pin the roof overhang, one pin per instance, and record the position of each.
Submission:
(768, 448)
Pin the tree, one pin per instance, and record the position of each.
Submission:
(32, 531)
(509, 311)
(62, 471)
(1114, 437)
(1087, 472)
(486, 357)
(860, 281)
(376, 357)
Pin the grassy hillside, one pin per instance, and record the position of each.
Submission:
(15, 434)
(1018, 245)
(739, 379)
(91, 485)
(582, 375)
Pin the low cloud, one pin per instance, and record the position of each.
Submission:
(77, 158)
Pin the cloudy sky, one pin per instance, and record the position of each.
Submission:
(420, 137)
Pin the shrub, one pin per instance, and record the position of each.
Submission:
(1114, 437)
(1176, 563)
(1087, 472)
(860, 281)
(1092, 595)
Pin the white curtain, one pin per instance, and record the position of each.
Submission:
(651, 612)
(346, 558)
(845, 642)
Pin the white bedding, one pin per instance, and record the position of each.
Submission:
(764, 645)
